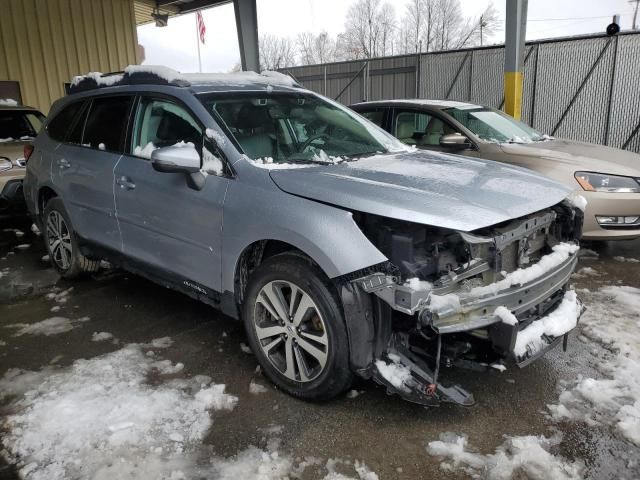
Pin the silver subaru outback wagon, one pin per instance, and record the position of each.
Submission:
(343, 251)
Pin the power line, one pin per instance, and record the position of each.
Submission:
(572, 18)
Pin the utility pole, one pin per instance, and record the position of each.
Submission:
(635, 14)
(482, 25)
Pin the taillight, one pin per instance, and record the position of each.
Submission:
(28, 150)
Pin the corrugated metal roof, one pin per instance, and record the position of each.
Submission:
(144, 8)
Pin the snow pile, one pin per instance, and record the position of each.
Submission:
(101, 336)
(414, 283)
(59, 296)
(166, 73)
(361, 469)
(162, 342)
(611, 319)
(505, 315)
(105, 81)
(211, 165)
(518, 457)
(586, 272)
(48, 327)
(268, 164)
(256, 388)
(10, 102)
(450, 301)
(560, 321)
(146, 151)
(626, 259)
(395, 372)
(216, 137)
(266, 78)
(560, 254)
(577, 200)
(99, 418)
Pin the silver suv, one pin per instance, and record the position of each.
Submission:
(343, 251)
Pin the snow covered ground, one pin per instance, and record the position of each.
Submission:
(102, 419)
(612, 400)
(613, 320)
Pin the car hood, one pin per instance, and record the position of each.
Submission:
(579, 156)
(426, 187)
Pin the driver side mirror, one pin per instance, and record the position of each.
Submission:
(176, 159)
(455, 141)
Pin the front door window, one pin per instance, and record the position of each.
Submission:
(161, 123)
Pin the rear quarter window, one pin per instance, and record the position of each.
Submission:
(59, 125)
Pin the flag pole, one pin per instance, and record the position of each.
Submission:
(198, 42)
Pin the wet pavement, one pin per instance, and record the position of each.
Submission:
(389, 434)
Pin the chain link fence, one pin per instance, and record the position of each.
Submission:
(582, 88)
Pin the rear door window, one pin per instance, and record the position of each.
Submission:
(60, 124)
(106, 125)
(376, 116)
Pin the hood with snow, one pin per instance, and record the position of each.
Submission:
(431, 188)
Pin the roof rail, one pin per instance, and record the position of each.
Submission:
(96, 80)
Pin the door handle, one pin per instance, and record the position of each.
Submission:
(63, 163)
(125, 183)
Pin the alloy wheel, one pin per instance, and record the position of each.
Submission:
(291, 331)
(59, 240)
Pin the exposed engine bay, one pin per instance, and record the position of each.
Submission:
(467, 298)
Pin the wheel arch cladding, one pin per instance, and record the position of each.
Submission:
(45, 194)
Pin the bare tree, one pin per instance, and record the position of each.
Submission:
(488, 23)
(314, 49)
(276, 52)
(368, 29)
(387, 25)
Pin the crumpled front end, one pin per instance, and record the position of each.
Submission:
(499, 294)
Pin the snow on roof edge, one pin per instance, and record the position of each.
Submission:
(170, 75)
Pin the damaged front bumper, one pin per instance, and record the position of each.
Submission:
(529, 305)
(464, 311)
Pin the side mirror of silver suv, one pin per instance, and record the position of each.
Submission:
(176, 159)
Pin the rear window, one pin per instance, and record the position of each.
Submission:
(59, 125)
(106, 124)
(17, 124)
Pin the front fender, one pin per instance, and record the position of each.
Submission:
(326, 234)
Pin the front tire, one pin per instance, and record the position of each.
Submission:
(296, 328)
(62, 243)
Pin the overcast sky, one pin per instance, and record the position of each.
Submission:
(176, 45)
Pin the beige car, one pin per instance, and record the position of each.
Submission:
(608, 178)
(18, 127)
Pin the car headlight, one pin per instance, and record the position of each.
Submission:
(5, 164)
(601, 182)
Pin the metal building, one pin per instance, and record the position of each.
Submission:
(45, 43)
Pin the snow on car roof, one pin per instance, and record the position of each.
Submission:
(422, 101)
(160, 74)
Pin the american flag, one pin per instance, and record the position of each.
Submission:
(202, 29)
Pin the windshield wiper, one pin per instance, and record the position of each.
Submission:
(305, 160)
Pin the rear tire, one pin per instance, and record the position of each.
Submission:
(62, 243)
(296, 328)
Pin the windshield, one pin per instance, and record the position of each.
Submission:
(18, 124)
(494, 126)
(284, 127)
